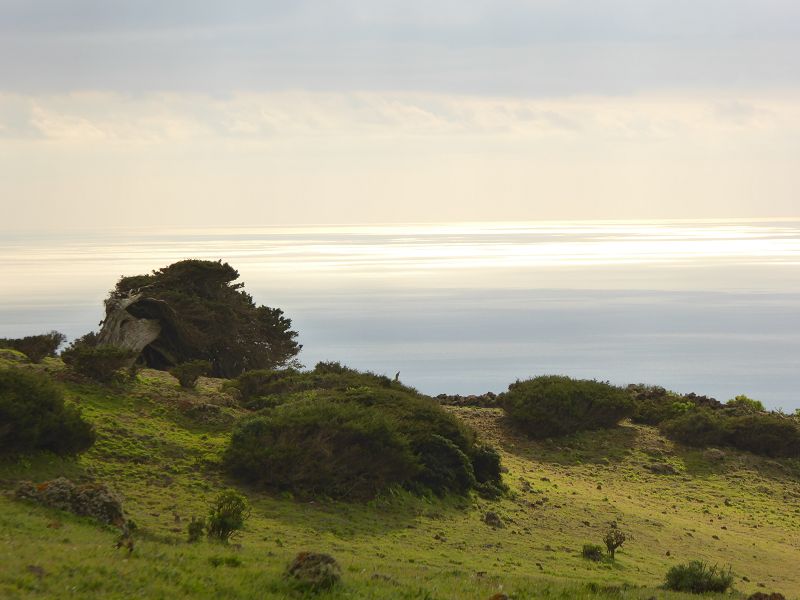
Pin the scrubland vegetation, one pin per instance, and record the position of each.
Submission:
(124, 481)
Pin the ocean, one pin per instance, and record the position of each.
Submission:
(708, 306)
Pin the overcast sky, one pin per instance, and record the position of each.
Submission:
(206, 113)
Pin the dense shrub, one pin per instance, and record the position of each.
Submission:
(188, 373)
(554, 405)
(227, 515)
(33, 416)
(592, 552)
(654, 404)
(698, 578)
(769, 434)
(100, 363)
(700, 427)
(36, 347)
(358, 442)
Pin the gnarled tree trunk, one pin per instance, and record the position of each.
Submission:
(120, 328)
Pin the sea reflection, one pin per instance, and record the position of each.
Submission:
(709, 306)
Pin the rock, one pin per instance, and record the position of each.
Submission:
(662, 469)
(498, 596)
(314, 570)
(493, 520)
(765, 596)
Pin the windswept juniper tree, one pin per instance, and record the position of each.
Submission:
(193, 310)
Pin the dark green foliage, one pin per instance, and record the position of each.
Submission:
(346, 441)
(100, 363)
(188, 373)
(204, 315)
(698, 578)
(555, 405)
(36, 347)
(445, 467)
(266, 383)
(33, 416)
(227, 515)
(196, 529)
(592, 552)
(769, 434)
(654, 404)
(321, 448)
(613, 539)
(701, 428)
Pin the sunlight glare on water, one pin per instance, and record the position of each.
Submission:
(709, 306)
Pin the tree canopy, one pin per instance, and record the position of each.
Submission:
(204, 315)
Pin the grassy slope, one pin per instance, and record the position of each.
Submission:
(163, 464)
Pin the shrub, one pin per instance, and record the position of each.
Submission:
(356, 443)
(36, 347)
(701, 428)
(592, 552)
(188, 373)
(100, 363)
(654, 404)
(555, 405)
(698, 578)
(91, 499)
(613, 539)
(742, 405)
(769, 434)
(314, 570)
(227, 515)
(33, 416)
(318, 447)
(196, 529)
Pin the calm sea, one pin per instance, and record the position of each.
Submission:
(704, 306)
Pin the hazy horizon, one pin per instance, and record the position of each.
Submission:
(708, 307)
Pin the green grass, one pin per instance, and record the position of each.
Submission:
(165, 465)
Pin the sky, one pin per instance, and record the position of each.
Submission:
(251, 113)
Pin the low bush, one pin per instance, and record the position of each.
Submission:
(195, 530)
(100, 363)
(698, 578)
(36, 347)
(701, 428)
(654, 404)
(742, 405)
(227, 515)
(592, 552)
(770, 434)
(314, 570)
(188, 373)
(254, 385)
(353, 444)
(91, 499)
(554, 405)
(34, 416)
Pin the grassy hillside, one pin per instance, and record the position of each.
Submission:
(159, 447)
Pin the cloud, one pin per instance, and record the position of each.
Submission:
(509, 47)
